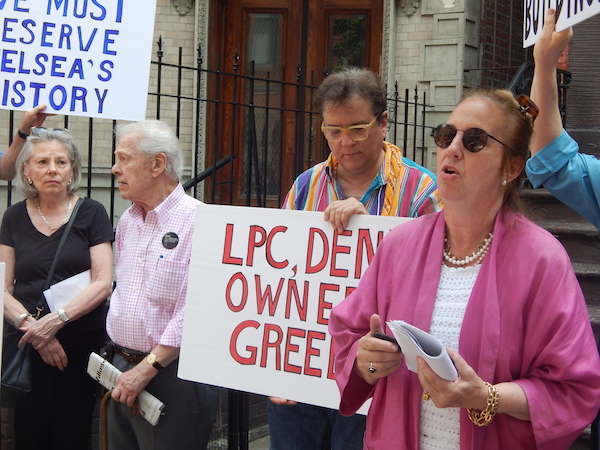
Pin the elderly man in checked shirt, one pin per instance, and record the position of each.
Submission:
(145, 319)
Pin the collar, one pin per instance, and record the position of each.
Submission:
(162, 212)
(387, 174)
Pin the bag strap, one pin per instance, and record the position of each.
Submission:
(41, 303)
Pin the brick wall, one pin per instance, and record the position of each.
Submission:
(501, 41)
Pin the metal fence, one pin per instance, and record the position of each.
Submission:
(257, 103)
(188, 97)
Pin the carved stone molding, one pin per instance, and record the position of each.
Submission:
(202, 7)
(183, 6)
(388, 10)
(410, 6)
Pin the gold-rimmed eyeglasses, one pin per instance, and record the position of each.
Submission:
(354, 132)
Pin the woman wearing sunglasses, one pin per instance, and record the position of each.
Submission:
(497, 291)
(57, 413)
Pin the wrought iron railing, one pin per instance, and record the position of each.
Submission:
(407, 129)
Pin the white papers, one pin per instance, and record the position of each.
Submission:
(415, 342)
(108, 375)
(61, 293)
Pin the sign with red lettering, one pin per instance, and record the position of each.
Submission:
(261, 287)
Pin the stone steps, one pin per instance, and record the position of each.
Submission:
(579, 237)
(582, 242)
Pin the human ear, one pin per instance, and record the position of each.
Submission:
(514, 169)
(159, 163)
(383, 122)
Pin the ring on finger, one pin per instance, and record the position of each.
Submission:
(371, 368)
(425, 396)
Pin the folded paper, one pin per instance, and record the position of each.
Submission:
(107, 375)
(415, 342)
(61, 293)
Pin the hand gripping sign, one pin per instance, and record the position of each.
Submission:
(568, 13)
(261, 287)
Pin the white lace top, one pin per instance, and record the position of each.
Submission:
(440, 428)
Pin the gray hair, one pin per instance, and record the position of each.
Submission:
(153, 137)
(47, 135)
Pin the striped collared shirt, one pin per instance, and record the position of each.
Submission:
(401, 188)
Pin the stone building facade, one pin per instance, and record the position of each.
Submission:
(440, 47)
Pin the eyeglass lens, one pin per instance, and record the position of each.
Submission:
(356, 134)
(474, 139)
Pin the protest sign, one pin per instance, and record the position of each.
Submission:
(84, 58)
(569, 13)
(261, 287)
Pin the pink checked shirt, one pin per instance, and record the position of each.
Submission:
(152, 259)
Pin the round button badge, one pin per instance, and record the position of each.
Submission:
(170, 240)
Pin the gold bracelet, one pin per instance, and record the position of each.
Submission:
(485, 417)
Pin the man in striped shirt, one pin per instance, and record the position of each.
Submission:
(363, 175)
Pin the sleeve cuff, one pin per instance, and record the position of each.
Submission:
(551, 159)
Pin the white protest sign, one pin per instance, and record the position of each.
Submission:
(261, 287)
(83, 58)
(569, 13)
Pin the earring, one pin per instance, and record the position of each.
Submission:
(29, 181)
(69, 183)
(504, 183)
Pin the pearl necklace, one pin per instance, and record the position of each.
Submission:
(475, 257)
(63, 221)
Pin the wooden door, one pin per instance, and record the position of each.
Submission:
(265, 124)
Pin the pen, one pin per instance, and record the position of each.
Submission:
(385, 337)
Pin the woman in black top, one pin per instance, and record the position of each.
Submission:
(58, 411)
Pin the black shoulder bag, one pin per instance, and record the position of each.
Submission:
(17, 363)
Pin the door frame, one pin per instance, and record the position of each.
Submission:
(302, 46)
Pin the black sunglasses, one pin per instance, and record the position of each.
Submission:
(474, 139)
